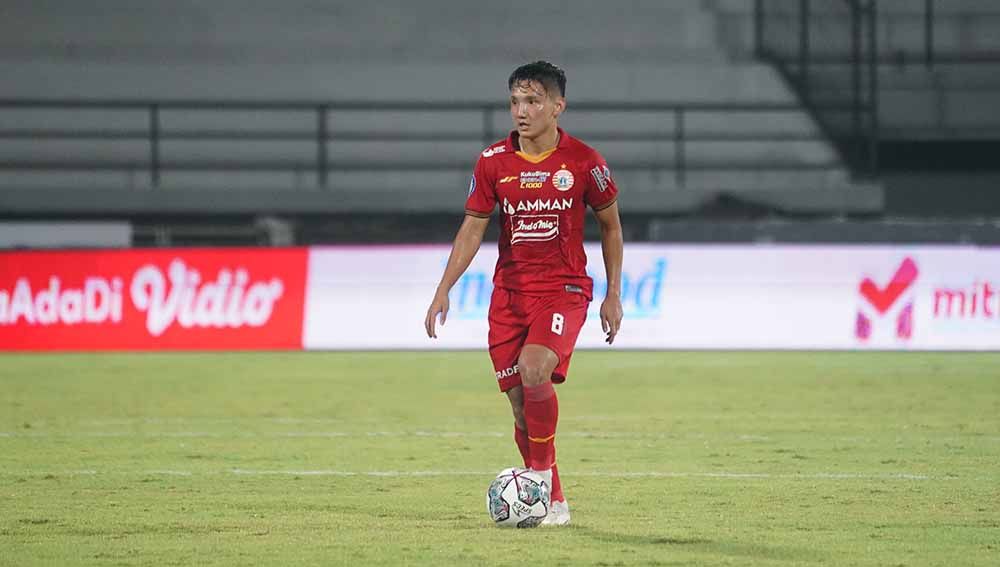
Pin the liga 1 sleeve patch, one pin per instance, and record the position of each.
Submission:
(602, 177)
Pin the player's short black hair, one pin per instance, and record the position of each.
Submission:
(550, 76)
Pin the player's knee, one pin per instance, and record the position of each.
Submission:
(533, 374)
(536, 364)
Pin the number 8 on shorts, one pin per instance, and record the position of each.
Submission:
(557, 323)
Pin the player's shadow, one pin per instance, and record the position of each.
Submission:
(696, 544)
(633, 539)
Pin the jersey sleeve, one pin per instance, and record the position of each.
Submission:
(601, 190)
(482, 197)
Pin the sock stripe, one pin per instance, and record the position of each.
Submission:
(542, 439)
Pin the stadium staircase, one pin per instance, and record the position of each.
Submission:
(935, 68)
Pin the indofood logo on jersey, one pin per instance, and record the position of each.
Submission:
(642, 291)
(534, 227)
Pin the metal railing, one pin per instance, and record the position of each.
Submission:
(830, 51)
(673, 127)
(927, 50)
(833, 65)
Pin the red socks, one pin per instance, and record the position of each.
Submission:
(538, 448)
(541, 412)
(521, 438)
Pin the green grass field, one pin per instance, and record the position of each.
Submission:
(383, 458)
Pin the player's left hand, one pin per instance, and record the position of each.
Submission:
(611, 317)
(438, 306)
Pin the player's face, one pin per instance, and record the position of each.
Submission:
(533, 110)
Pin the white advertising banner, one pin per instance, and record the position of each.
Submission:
(682, 296)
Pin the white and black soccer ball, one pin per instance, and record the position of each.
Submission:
(518, 498)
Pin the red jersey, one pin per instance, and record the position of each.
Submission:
(542, 203)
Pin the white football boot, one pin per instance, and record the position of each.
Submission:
(558, 511)
(546, 476)
(558, 514)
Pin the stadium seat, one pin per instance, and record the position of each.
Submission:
(656, 53)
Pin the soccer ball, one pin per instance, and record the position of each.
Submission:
(518, 498)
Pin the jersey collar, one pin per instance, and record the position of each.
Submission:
(512, 144)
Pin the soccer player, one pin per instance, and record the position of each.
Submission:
(542, 179)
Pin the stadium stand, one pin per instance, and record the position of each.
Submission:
(929, 69)
(680, 120)
(937, 59)
(254, 113)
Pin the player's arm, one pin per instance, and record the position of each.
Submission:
(463, 250)
(612, 247)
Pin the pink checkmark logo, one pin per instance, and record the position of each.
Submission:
(883, 298)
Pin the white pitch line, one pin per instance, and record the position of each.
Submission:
(321, 434)
(607, 474)
(251, 472)
(215, 421)
(744, 437)
(830, 476)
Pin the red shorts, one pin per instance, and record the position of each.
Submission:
(553, 321)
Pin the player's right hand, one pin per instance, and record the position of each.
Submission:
(438, 305)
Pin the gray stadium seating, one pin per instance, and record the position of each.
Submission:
(614, 52)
